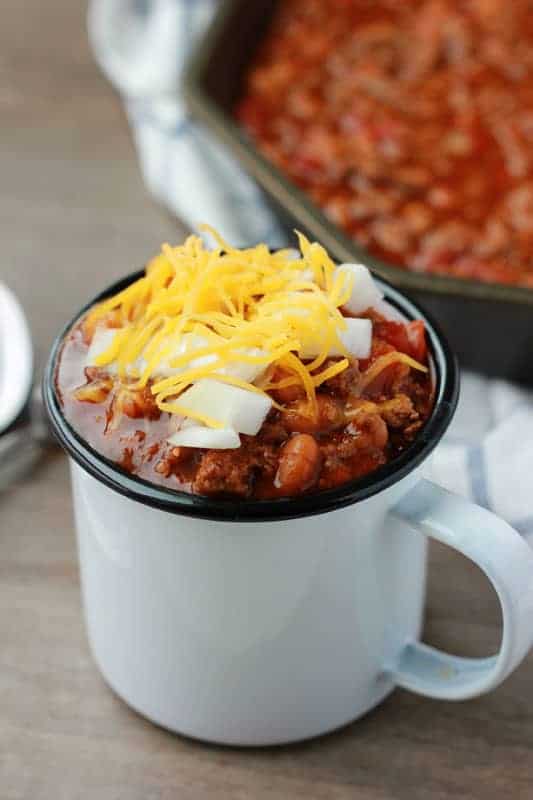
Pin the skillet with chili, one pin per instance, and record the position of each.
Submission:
(410, 123)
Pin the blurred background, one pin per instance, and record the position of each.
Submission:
(75, 214)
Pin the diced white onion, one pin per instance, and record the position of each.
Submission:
(357, 339)
(190, 342)
(187, 343)
(242, 369)
(202, 436)
(365, 291)
(234, 407)
(101, 341)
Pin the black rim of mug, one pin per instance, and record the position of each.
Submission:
(222, 509)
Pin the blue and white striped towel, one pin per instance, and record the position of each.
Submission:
(142, 45)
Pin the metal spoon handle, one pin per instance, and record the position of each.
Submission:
(19, 452)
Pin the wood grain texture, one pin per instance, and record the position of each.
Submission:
(74, 215)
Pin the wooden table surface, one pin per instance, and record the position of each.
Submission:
(74, 215)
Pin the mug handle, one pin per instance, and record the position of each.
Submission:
(506, 560)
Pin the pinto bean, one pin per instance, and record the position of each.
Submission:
(330, 416)
(299, 464)
(369, 430)
(289, 393)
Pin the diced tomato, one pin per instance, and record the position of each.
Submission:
(384, 381)
(379, 348)
(416, 334)
(395, 333)
(407, 338)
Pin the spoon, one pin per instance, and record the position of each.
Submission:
(22, 449)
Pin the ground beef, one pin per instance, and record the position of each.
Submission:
(223, 472)
(234, 472)
(399, 411)
(359, 425)
(342, 385)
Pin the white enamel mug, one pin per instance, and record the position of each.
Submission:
(259, 623)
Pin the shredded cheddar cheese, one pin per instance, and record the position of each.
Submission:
(387, 360)
(229, 314)
(247, 306)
